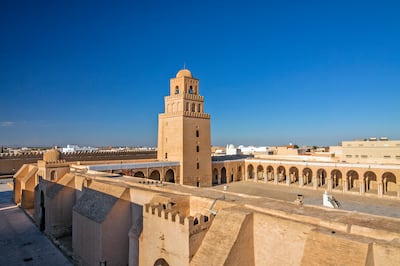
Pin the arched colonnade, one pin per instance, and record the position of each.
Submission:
(165, 174)
(227, 172)
(360, 179)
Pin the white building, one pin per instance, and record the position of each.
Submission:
(75, 148)
(241, 149)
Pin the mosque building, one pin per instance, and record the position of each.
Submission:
(165, 211)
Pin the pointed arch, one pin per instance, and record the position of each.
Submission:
(351, 177)
(336, 176)
(389, 183)
(155, 175)
(250, 171)
(321, 177)
(294, 174)
(215, 176)
(281, 171)
(307, 174)
(223, 175)
(260, 172)
(170, 176)
(139, 174)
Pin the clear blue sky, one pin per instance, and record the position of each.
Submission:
(272, 72)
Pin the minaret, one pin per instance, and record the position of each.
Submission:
(184, 131)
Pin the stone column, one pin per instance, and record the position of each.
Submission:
(301, 181)
(288, 178)
(276, 179)
(315, 182)
(362, 187)
(219, 179)
(265, 175)
(334, 181)
(345, 185)
(255, 177)
(246, 175)
(329, 184)
(305, 180)
(380, 190)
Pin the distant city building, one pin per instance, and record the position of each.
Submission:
(75, 148)
(371, 150)
(246, 150)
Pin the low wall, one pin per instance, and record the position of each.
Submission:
(9, 164)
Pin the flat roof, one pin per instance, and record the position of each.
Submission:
(117, 166)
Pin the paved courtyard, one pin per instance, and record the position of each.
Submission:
(21, 243)
(371, 205)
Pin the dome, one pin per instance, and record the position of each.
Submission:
(52, 155)
(184, 73)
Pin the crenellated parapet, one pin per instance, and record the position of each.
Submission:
(52, 164)
(190, 224)
(199, 223)
(22, 155)
(163, 213)
(56, 162)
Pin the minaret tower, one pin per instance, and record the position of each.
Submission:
(184, 131)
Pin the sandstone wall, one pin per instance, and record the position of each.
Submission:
(9, 164)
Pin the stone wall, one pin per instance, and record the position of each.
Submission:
(9, 164)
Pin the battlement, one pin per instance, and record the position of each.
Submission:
(197, 115)
(56, 162)
(193, 224)
(187, 114)
(52, 164)
(22, 155)
(71, 155)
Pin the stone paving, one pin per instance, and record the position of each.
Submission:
(371, 205)
(21, 243)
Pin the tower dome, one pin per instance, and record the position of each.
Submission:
(52, 155)
(184, 73)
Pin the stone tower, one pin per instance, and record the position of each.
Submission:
(184, 131)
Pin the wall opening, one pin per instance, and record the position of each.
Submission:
(42, 226)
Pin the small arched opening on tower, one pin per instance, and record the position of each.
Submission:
(161, 262)
(177, 90)
(53, 175)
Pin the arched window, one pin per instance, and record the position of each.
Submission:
(187, 107)
(53, 175)
(161, 262)
(197, 134)
(177, 90)
(190, 90)
(197, 148)
(193, 107)
(199, 108)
